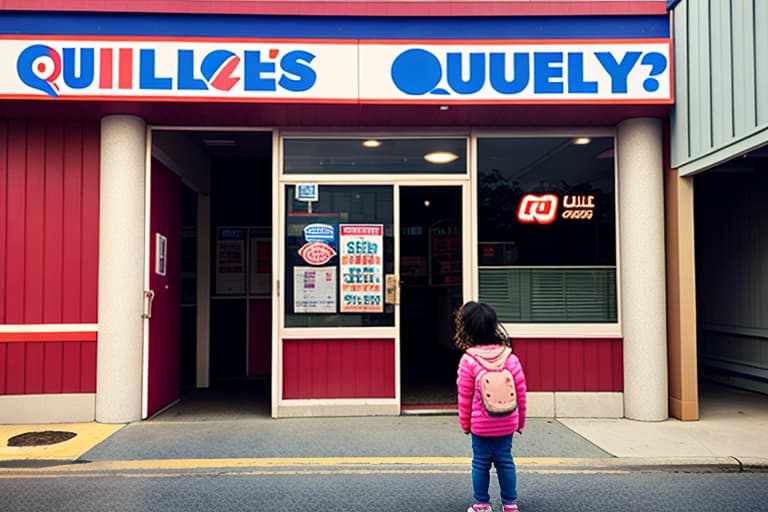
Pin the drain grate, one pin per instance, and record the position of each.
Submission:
(40, 438)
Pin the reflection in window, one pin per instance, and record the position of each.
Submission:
(375, 156)
(546, 229)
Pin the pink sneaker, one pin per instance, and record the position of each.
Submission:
(510, 507)
(480, 507)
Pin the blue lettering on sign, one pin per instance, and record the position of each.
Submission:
(419, 72)
(45, 69)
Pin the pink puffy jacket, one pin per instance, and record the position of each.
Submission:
(472, 415)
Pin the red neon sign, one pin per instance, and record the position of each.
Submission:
(540, 209)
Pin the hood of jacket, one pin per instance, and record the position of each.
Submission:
(492, 357)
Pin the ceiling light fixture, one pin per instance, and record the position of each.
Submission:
(440, 157)
(371, 143)
(580, 141)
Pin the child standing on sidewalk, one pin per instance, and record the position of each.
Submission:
(486, 347)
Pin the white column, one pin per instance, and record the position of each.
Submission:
(121, 269)
(643, 287)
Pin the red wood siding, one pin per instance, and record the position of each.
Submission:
(338, 368)
(572, 364)
(49, 230)
(39, 367)
(355, 7)
(49, 222)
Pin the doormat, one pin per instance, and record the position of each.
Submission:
(43, 438)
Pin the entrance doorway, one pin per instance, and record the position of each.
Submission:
(431, 282)
(220, 363)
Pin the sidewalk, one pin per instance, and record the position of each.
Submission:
(731, 436)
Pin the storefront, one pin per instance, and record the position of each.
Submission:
(306, 197)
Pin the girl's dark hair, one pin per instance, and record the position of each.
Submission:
(477, 324)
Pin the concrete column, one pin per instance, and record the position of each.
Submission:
(643, 286)
(203, 291)
(121, 269)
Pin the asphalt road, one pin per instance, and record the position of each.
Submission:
(389, 485)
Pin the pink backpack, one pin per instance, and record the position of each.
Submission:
(497, 386)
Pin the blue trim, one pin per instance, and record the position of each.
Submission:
(307, 27)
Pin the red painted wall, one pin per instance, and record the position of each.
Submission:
(49, 228)
(571, 364)
(338, 368)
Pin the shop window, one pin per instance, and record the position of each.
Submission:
(339, 246)
(375, 156)
(547, 229)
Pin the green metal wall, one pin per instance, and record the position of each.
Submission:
(721, 81)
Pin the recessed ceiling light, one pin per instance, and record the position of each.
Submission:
(443, 107)
(440, 157)
(371, 143)
(580, 141)
(427, 203)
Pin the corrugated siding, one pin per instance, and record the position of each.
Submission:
(338, 368)
(49, 222)
(47, 367)
(49, 226)
(572, 364)
(721, 81)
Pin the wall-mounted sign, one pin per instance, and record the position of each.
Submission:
(314, 290)
(161, 254)
(361, 252)
(316, 253)
(397, 71)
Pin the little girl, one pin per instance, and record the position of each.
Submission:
(485, 342)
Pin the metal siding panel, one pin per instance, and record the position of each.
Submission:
(90, 247)
(72, 222)
(761, 56)
(35, 207)
(52, 367)
(699, 84)
(561, 364)
(16, 225)
(743, 69)
(533, 365)
(577, 366)
(617, 351)
(34, 368)
(547, 364)
(591, 368)
(88, 367)
(335, 385)
(605, 362)
(722, 79)
(53, 232)
(3, 226)
(681, 111)
(315, 383)
(15, 365)
(70, 366)
(3, 367)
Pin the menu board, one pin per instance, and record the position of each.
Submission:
(361, 251)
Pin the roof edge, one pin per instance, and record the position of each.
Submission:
(393, 8)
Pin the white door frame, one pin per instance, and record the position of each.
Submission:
(279, 332)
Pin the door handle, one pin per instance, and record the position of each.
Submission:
(392, 289)
(149, 297)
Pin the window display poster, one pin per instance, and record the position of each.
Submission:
(230, 261)
(314, 289)
(361, 251)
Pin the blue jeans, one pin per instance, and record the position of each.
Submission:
(496, 450)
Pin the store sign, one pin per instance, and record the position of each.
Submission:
(563, 71)
(361, 250)
(526, 71)
(543, 209)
